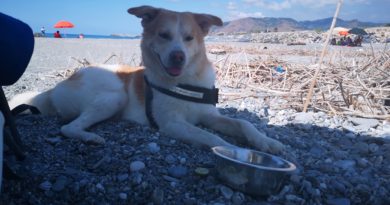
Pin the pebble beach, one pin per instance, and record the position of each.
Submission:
(341, 160)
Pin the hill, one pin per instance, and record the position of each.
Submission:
(256, 25)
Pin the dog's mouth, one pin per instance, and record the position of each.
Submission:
(173, 71)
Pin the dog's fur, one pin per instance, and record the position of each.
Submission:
(173, 52)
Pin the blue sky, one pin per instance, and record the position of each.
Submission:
(109, 17)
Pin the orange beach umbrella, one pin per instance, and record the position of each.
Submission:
(343, 33)
(63, 24)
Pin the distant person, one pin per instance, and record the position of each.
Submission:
(57, 34)
(358, 40)
(349, 41)
(333, 41)
(43, 31)
(81, 36)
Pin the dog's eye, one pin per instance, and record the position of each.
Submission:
(165, 36)
(188, 38)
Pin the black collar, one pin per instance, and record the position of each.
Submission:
(184, 92)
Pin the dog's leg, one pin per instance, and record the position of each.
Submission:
(241, 129)
(103, 107)
(187, 132)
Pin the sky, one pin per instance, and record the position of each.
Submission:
(104, 17)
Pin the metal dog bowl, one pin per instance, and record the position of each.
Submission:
(250, 171)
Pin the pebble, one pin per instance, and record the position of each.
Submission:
(122, 177)
(136, 166)
(123, 196)
(177, 171)
(46, 185)
(361, 148)
(158, 196)
(364, 122)
(60, 183)
(345, 164)
(136, 179)
(339, 201)
(170, 159)
(202, 171)
(373, 147)
(304, 117)
(100, 187)
(226, 192)
(153, 147)
(238, 198)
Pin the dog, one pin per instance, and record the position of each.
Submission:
(174, 90)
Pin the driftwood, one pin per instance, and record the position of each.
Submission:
(360, 88)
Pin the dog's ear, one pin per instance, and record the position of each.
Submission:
(146, 13)
(205, 21)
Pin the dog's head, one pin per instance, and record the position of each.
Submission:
(172, 40)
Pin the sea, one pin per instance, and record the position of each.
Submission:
(69, 35)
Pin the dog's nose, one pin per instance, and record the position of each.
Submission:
(177, 57)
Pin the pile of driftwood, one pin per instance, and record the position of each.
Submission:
(358, 85)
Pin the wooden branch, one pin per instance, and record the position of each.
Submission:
(314, 80)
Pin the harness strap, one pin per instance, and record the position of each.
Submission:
(184, 92)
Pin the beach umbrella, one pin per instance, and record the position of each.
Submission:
(357, 31)
(337, 30)
(63, 24)
(343, 33)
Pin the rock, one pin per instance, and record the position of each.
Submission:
(361, 148)
(226, 192)
(136, 179)
(60, 183)
(153, 147)
(338, 186)
(158, 196)
(183, 160)
(122, 177)
(123, 196)
(238, 198)
(339, 201)
(177, 171)
(345, 164)
(100, 187)
(136, 166)
(202, 171)
(364, 122)
(304, 117)
(46, 185)
(170, 179)
(362, 162)
(373, 147)
(170, 159)
(317, 151)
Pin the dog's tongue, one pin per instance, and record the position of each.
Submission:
(174, 71)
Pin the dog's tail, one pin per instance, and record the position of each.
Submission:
(39, 100)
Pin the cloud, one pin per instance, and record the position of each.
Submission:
(235, 13)
(239, 14)
(232, 6)
(267, 4)
(287, 4)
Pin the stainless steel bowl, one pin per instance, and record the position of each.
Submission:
(250, 171)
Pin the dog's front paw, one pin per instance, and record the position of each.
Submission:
(266, 144)
(274, 146)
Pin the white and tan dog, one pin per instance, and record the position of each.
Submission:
(173, 53)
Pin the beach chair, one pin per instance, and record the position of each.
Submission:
(16, 48)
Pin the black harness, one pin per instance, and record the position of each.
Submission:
(184, 92)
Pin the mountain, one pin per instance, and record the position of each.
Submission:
(324, 24)
(252, 25)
